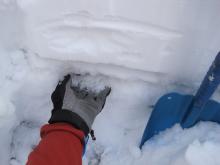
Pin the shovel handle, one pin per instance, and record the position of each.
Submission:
(209, 84)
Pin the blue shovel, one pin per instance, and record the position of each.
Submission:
(187, 110)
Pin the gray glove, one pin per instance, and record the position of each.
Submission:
(75, 105)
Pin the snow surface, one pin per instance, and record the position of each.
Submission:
(142, 48)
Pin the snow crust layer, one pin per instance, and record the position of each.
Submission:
(142, 49)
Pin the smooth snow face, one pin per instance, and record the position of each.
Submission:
(137, 47)
(152, 39)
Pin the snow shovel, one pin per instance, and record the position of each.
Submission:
(186, 110)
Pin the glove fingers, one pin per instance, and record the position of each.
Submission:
(104, 93)
(65, 80)
(58, 95)
(79, 93)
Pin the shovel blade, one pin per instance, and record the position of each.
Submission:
(173, 108)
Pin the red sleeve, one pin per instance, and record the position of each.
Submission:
(60, 144)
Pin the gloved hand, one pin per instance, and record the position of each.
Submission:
(77, 106)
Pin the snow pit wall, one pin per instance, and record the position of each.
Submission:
(147, 39)
(139, 40)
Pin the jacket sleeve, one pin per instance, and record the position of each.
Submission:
(60, 144)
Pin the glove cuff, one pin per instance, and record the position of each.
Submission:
(69, 117)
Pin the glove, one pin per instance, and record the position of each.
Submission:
(75, 105)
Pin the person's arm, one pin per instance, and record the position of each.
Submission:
(74, 111)
(61, 144)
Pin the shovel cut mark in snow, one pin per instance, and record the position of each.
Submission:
(110, 70)
(112, 23)
(120, 41)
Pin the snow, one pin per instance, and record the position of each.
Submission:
(92, 83)
(142, 49)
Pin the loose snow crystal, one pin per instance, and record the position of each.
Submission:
(92, 83)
